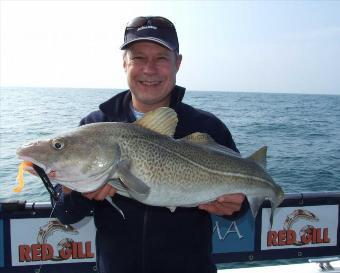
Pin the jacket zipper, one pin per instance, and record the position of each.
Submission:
(144, 239)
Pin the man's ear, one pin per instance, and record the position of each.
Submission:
(178, 61)
(124, 64)
(124, 61)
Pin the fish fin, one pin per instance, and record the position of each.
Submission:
(109, 199)
(260, 157)
(274, 205)
(199, 138)
(255, 203)
(172, 209)
(136, 187)
(207, 141)
(119, 186)
(163, 120)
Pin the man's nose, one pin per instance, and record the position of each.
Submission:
(150, 67)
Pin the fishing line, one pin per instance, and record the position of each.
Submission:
(49, 221)
(53, 193)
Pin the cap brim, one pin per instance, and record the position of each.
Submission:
(152, 39)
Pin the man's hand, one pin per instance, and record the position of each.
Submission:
(224, 205)
(99, 194)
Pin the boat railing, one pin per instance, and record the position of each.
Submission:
(306, 225)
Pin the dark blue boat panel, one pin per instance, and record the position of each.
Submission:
(1, 243)
(233, 236)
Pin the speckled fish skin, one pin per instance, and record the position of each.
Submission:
(177, 172)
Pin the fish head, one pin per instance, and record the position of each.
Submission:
(79, 160)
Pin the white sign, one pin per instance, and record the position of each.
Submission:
(298, 227)
(36, 241)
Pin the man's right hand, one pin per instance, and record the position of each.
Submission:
(99, 194)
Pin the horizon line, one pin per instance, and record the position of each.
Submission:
(189, 90)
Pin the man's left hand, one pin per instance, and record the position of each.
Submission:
(224, 205)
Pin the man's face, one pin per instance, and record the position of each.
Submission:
(151, 74)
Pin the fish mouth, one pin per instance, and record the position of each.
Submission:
(44, 173)
(31, 170)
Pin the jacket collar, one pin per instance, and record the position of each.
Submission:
(118, 107)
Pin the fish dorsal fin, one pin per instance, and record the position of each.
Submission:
(260, 157)
(163, 120)
(208, 142)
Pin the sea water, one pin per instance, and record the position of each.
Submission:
(302, 131)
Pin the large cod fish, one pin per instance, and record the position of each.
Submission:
(144, 162)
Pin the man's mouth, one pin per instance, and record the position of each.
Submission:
(150, 83)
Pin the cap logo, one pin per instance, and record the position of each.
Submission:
(146, 27)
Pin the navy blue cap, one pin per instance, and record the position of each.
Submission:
(153, 28)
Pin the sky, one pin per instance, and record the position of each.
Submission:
(251, 46)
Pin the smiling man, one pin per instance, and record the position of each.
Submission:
(151, 239)
(151, 74)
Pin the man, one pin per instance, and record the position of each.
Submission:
(151, 239)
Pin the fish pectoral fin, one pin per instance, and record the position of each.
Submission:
(109, 199)
(255, 203)
(172, 209)
(119, 186)
(208, 142)
(162, 120)
(136, 187)
(260, 157)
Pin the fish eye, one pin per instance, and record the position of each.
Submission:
(58, 144)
